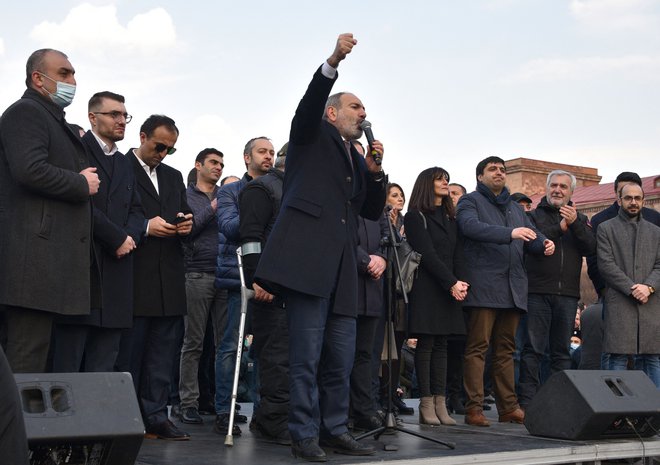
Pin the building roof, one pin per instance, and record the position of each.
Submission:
(605, 192)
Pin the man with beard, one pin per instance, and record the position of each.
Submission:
(258, 156)
(159, 283)
(554, 282)
(260, 204)
(119, 224)
(629, 261)
(497, 234)
(310, 257)
(649, 214)
(204, 300)
(45, 212)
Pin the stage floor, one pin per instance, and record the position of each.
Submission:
(499, 444)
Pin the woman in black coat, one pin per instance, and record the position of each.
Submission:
(435, 299)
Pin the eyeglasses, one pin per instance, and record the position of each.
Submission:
(160, 147)
(115, 115)
(630, 198)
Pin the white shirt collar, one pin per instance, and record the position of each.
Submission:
(153, 174)
(109, 151)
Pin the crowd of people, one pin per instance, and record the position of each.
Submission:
(109, 262)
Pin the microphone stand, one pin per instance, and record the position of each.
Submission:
(393, 264)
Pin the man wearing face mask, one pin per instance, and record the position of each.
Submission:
(45, 212)
(554, 282)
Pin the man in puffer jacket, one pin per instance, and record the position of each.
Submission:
(258, 156)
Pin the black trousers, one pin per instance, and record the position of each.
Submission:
(13, 441)
(154, 342)
(270, 346)
(28, 338)
(431, 365)
(362, 401)
(84, 348)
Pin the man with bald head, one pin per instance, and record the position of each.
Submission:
(45, 212)
(310, 257)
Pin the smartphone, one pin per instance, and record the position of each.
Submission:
(178, 219)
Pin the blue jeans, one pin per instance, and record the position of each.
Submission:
(225, 356)
(321, 353)
(550, 321)
(648, 363)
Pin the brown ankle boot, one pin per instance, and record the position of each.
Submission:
(516, 416)
(475, 417)
(441, 411)
(427, 414)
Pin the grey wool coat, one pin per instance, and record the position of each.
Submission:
(629, 253)
(45, 210)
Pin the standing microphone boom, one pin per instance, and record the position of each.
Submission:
(366, 127)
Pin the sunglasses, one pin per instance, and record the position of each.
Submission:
(160, 147)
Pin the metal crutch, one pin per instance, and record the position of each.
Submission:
(246, 294)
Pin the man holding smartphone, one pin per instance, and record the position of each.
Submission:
(159, 286)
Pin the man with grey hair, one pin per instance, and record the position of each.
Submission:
(45, 212)
(310, 257)
(554, 282)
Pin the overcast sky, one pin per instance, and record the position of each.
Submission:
(445, 82)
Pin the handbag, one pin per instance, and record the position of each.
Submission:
(409, 260)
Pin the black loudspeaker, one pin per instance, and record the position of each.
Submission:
(81, 418)
(595, 404)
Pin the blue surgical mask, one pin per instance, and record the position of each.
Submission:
(64, 92)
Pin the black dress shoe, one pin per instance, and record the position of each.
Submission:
(347, 445)
(283, 438)
(455, 405)
(367, 423)
(191, 416)
(402, 407)
(308, 449)
(221, 425)
(166, 430)
(370, 424)
(206, 408)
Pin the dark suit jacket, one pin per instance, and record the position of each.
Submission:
(316, 231)
(370, 291)
(117, 213)
(159, 288)
(45, 210)
(432, 308)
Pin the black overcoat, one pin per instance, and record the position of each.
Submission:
(45, 210)
(117, 213)
(312, 246)
(159, 285)
(433, 311)
(370, 291)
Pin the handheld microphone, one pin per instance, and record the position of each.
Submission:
(366, 127)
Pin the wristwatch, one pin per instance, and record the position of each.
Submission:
(651, 289)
